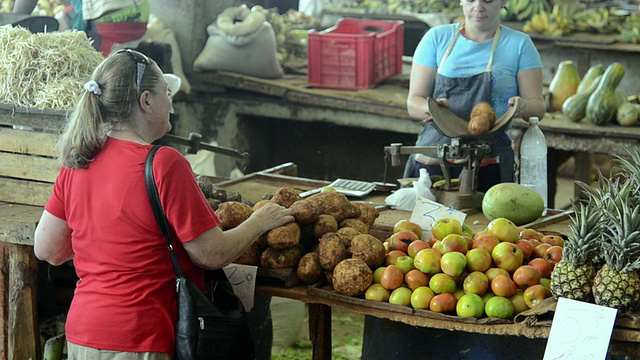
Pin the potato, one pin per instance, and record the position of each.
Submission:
(331, 251)
(479, 124)
(309, 269)
(280, 259)
(285, 196)
(233, 213)
(335, 204)
(304, 211)
(369, 249)
(284, 237)
(324, 224)
(356, 224)
(484, 108)
(352, 277)
(346, 234)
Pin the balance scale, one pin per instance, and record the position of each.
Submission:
(465, 150)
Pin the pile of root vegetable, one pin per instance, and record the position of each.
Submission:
(328, 229)
(44, 70)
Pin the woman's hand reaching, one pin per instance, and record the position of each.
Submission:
(272, 216)
(444, 102)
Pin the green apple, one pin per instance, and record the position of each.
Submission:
(445, 226)
(421, 297)
(400, 296)
(427, 261)
(453, 263)
(470, 305)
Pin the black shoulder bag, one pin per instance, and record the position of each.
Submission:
(206, 329)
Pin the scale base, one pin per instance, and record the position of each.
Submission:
(458, 201)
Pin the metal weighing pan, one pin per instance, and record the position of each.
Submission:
(451, 125)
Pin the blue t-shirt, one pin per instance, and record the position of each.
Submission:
(515, 52)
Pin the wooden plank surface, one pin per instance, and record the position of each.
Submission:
(18, 223)
(28, 142)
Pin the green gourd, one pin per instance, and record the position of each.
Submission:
(602, 104)
(589, 77)
(575, 107)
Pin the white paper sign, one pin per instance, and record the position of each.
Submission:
(243, 281)
(426, 212)
(580, 330)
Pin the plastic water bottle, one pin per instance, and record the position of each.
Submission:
(533, 160)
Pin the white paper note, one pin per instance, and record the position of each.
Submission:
(580, 330)
(243, 281)
(426, 212)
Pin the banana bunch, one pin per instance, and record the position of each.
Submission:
(542, 24)
(599, 20)
(42, 8)
(630, 29)
(558, 23)
(522, 10)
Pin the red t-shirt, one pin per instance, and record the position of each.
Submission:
(125, 298)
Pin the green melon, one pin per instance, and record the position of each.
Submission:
(514, 202)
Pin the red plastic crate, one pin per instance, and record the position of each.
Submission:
(355, 54)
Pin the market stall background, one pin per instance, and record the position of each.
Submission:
(242, 124)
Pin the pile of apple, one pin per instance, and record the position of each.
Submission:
(498, 272)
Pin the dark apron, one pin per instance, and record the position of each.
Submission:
(463, 94)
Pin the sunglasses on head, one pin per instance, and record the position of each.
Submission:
(141, 63)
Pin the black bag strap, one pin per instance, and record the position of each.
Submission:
(156, 206)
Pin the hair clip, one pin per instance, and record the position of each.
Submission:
(92, 86)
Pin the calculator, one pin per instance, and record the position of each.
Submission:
(348, 187)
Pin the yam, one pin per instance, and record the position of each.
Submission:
(484, 108)
(309, 269)
(356, 224)
(331, 251)
(324, 224)
(233, 213)
(304, 211)
(368, 213)
(251, 255)
(284, 237)
(369, 249)
(352, 277)
(335, 204)
(260, 204)
(346, 234)
(285, 196)
(280, 259)
(479, 125)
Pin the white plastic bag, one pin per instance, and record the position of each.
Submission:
(405, 198)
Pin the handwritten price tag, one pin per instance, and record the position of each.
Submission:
(580, 330)
(426, 212)
(243, 281)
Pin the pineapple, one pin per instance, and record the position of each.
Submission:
(573, 275)
(617, 283)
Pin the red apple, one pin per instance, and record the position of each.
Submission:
(445, 226)
(553, 255)
(493, 272)
(392, 255)
(443, 303)
(504, 229)
(507, 255)
(453, 263)
(526, 276)
(392, 277)
(427, 261)
(416, 278)
(416, 246)
(408, 225)
(476, 283)
(503, 286)
(553, 240)
(528, 234)
(534, 295)
(401, 240)
(478, 260)
(453, 242)
(538, 251)
(486, 241)
(526, 248)
(542, 265)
